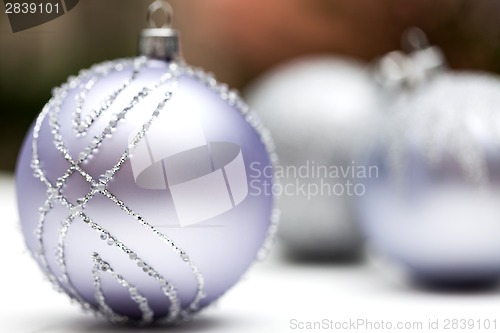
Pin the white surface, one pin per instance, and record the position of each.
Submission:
(273, 293)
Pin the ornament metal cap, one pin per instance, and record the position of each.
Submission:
(408, 69)
(159, 42)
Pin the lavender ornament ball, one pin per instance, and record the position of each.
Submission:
(133, 190)
(434, 209)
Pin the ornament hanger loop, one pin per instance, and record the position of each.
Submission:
(167, 12)
(159, 42)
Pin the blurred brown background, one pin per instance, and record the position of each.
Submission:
(235, 39)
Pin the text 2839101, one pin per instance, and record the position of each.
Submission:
(32, 8)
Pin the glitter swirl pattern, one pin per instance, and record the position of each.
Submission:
(55, 197)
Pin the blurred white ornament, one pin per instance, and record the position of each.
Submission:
(318, 110)
(435, 206)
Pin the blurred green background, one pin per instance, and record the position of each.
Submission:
(237, 40)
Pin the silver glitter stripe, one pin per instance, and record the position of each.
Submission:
(81, 126)
(65, 279)
(139, 299)
(99, 295)
(167, 288)
(271, 235)
(99, 71)
(193, 306)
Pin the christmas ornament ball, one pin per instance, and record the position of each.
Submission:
(319, 110)
(133, 189)
(434, 206)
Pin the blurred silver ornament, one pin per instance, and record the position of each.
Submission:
(318, 110)
(434, 206)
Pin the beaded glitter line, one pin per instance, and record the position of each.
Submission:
(81, 126)
(54, 194)
(142, 302)
(59, 144)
